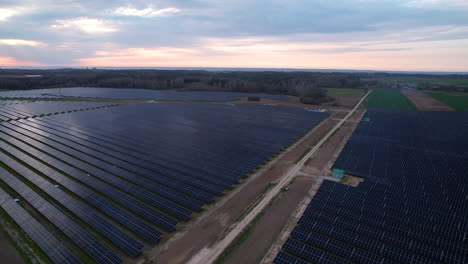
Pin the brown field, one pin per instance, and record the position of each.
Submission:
(349, 101)
(293, 102)
(424, 102)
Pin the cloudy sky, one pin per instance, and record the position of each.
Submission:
(430, 35)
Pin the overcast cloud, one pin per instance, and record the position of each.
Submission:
(355, 34)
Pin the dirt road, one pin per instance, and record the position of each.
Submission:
(210, 254)
(321, 164)
(272, 222)
(212, 224)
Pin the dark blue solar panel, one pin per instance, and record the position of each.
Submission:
(412, 206)
(159, 161)
(51, 246)
(38, 108)
(83, 211)
(76, 233)
(136, 94)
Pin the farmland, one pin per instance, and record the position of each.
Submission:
(417, 80)
(344, 92)
(458, 101)
(389, 98)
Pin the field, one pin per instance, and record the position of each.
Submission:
(388, 98)
(462, 82)
(125, 177)
(346, 97)
(458, 101)
(424, 102)
(344, 92)
(412, 200)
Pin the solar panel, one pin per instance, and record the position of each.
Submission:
(411, 207)
(51, 246)
(76, 233)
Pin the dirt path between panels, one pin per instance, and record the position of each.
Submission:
(212, 225)
(321, 164)
(424, 102)
(293, 103)
(266, 231)
(8, 253)
(272, 222)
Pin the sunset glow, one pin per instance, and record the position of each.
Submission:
(425, 35)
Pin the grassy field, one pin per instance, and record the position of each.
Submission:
(344, 92)
(388, 98)
(458, 101)
(463, 82)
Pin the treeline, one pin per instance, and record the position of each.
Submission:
(309, 86)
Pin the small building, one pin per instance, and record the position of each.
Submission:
(337, 173)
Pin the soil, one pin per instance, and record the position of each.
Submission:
(208, 228)
(8, 253)
(349, 101)
(424, 102)
(293, 103)
(292, 222)
(272, 222)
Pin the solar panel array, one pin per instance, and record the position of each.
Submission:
(136, 94)
(115, 179)
(413, 204)
(14, 110)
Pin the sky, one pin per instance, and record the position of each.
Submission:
(407, 35)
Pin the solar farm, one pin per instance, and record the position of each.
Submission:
(135, 94)
(114, 179)
(102, 175)
(412, 206)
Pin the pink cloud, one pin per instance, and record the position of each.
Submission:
(11, 61)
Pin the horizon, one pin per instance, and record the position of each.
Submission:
(359, 35)
(232, 69)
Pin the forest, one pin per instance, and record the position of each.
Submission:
(308, 86)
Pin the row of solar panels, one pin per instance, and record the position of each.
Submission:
(136, 94)
(116, 187)
(15, 111)
(412, 206)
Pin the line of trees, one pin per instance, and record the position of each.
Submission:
(309, 86)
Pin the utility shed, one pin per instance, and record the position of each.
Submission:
(337, 173)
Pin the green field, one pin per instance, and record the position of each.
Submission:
(344, 92)
(388, 98)
(458, 101)
(463, 82)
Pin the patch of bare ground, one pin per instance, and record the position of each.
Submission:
(352, 180)
(210, 227)
(270, 225)
(321, 163)
(348, 101)
(8, 253)
(424, 102)
(293, 103)
(290, 224)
